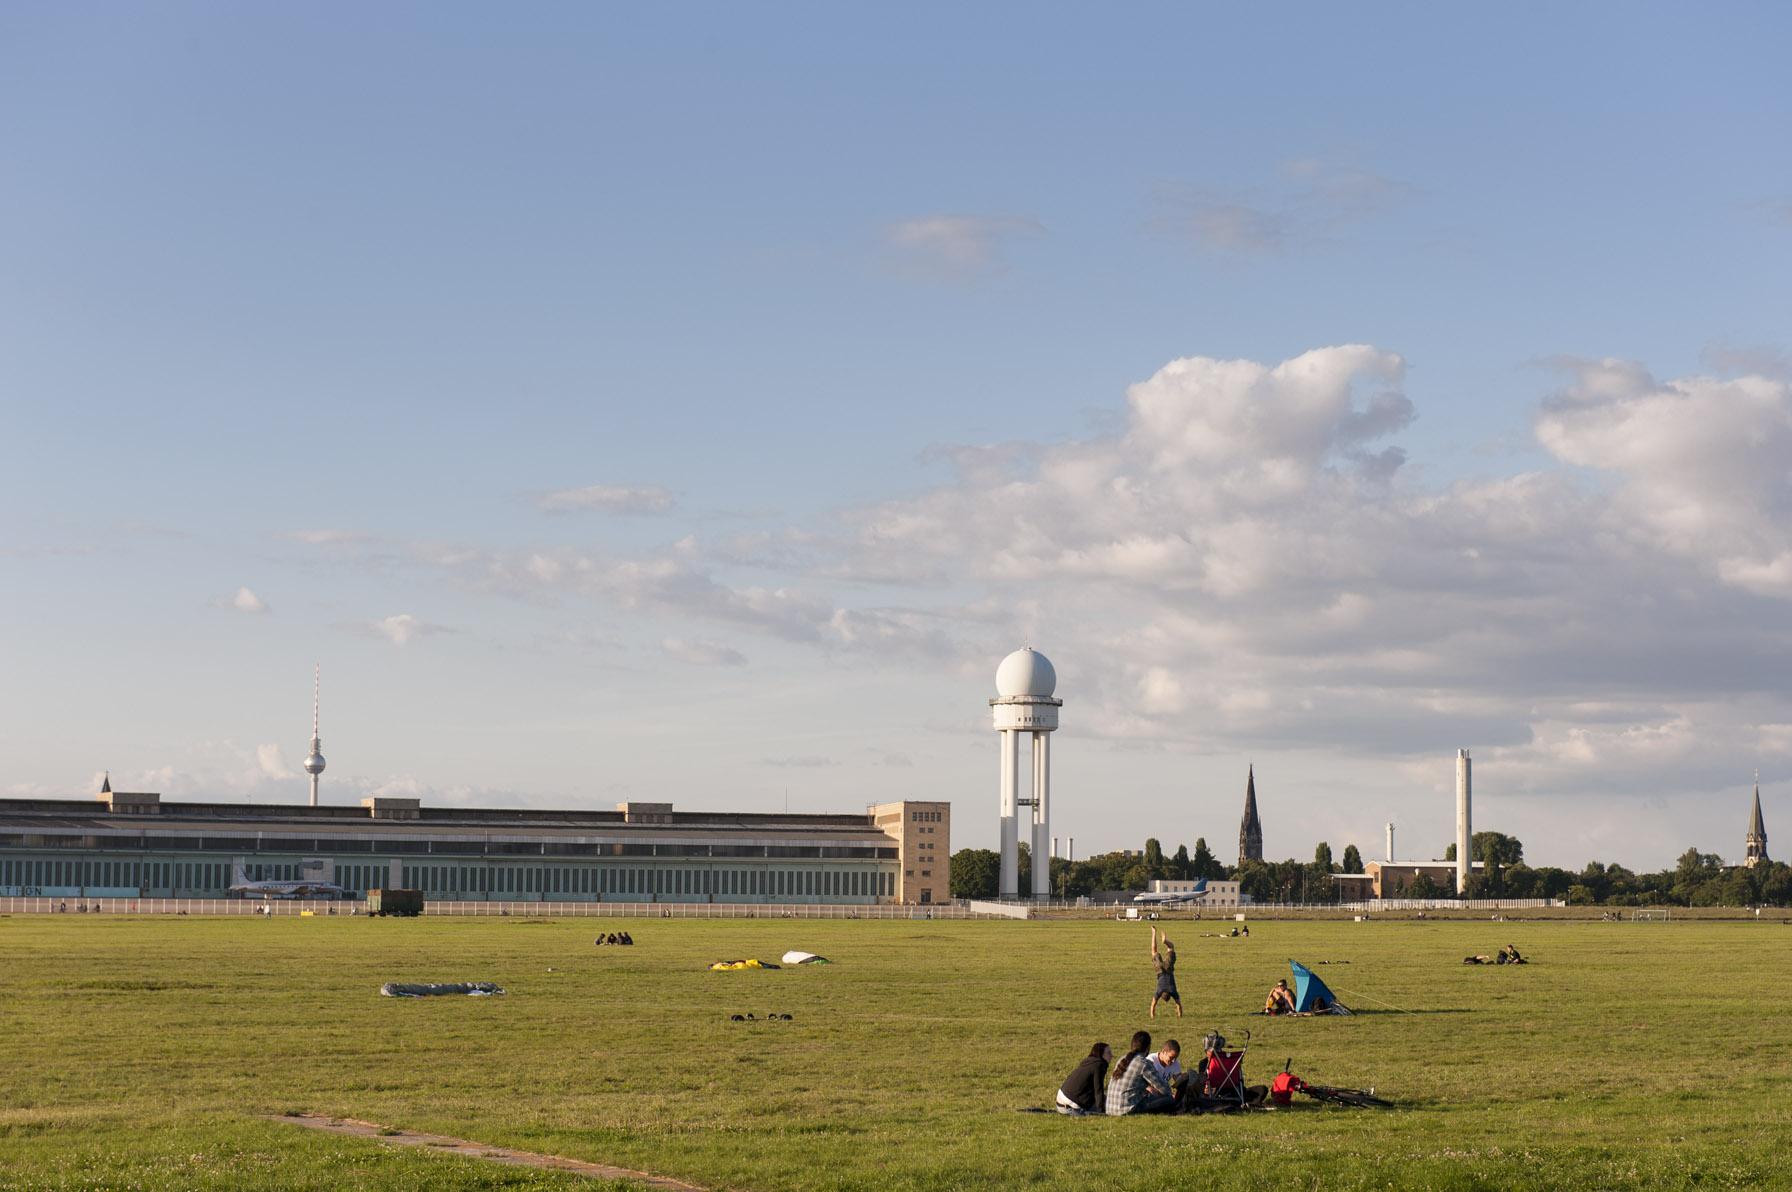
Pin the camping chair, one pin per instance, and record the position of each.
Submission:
(1223, 1082)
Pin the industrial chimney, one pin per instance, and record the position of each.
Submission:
(1464, 831)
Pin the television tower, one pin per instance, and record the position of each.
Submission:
(314, 763)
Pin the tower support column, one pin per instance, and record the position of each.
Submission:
(1042, 815)
(1009, 885)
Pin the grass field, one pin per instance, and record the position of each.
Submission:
(141, 1053)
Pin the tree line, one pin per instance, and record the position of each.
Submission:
(1697, 879)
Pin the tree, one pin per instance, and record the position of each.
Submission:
(1204, 863)
(1180, 867)
(975, 872)
(1322, 857)
(1498, 850)
(1353, 860)
(1421, 887)
(1154, 857)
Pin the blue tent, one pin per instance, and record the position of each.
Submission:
(1310, 994)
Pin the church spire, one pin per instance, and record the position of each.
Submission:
(1250, 828)
(1756, 843)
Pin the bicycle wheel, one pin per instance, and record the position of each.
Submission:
(1356, 1098)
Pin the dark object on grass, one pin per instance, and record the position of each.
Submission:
(463, 988)
(395, 902)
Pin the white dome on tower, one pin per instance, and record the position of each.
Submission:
(1026, 672)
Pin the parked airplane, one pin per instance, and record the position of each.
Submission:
(1174, 898)
(242, 887)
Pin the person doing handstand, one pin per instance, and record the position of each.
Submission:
(1280, 1000)
(1165, 964)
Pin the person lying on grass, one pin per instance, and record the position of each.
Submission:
(1082, 1089)
(1280, 999)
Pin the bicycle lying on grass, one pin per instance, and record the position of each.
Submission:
(1287, 1084)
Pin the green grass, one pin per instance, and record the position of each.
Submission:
(140, 1053)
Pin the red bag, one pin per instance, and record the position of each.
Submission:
(1285, 1086)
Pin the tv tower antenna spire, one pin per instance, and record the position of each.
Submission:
(314, 762)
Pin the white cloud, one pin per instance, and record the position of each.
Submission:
(328, 537)
(402, 628)
(702, 653)
(246, 601)
(607, 498)
(956, 247)
(273, 762)
(1244, 563)
(805, 762)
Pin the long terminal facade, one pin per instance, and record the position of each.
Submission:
(134, 845)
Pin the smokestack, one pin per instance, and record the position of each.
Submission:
(1054, 847)
(1464, 830)
(1072, 850)
(1390, 840)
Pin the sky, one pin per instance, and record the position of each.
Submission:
(695, 403)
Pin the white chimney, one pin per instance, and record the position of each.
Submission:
(1390, 840)
(1464, 830)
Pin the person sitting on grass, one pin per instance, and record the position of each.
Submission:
(1128, 1093)
(1164, 1075)
(1165, 964)
(1082, 1089)
(1280, 999)
(1509, 955)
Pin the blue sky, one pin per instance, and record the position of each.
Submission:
(590, 391)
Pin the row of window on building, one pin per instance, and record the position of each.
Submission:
(497, 880)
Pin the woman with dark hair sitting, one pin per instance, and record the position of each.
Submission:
(1128, 1089)
(1082, 1089)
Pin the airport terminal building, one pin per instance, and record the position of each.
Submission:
(134, 845)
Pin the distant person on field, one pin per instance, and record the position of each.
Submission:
(1128, 1093)
(1509, 955)
(1082, 1089)
(1280, 1000)
(1164, 962)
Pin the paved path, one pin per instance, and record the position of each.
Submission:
(476, 1150)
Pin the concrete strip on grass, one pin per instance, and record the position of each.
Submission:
(476, 1150)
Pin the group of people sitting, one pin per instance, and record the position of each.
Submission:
(1147, 1081)
(1507, 955)
(619, 938)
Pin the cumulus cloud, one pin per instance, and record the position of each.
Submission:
(246, 601)
(272, 762)
(956, 247)
(1243, 560)
(325, 537)
(403, 628)
(1700, 464)
(702, 653)
(607, 498)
